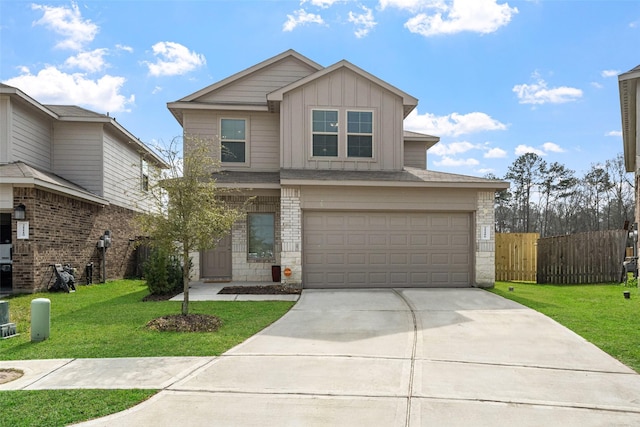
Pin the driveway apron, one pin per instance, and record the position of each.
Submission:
(405, 357)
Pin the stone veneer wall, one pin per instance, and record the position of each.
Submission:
(242, 268)
(485, 248)
(291, 255)
(65, 230)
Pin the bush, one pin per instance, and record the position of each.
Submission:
(163, 272)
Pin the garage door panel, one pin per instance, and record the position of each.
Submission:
(381, 249)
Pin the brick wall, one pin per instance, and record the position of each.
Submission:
(485, 247)
(291, 255)
(65, 230)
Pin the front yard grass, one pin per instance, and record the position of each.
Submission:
(598, 313)
(108, 320)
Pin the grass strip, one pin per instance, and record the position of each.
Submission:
(598, 313)
(54, 408)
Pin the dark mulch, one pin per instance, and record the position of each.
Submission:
(185, 323)
(8, 375)
(259, 290)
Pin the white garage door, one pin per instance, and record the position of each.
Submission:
(386, 249)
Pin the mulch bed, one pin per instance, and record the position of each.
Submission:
(260, 290)
(185, 323)
(7, 375)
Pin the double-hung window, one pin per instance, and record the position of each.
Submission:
(261, 236)
(325, 133)
(144, 175)
(359, 134)
(234, 141)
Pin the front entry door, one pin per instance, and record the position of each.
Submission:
(215, 264)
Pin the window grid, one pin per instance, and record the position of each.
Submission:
(233, 136)
(325, 133)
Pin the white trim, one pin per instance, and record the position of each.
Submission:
(247, 142)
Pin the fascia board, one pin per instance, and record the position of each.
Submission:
(33, 182)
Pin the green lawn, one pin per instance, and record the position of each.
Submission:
(108, 320)
(598, 313)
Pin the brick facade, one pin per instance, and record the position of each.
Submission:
(291, 255)
(65, 230)
(485, 245)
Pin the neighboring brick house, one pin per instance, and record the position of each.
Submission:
(629, 86)
(76, 174)
(342, 194)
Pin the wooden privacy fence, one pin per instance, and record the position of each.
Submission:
(516, 256)
(592, 257)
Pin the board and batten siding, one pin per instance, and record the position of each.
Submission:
(253, 88)
(388, 199)
(122, 173)
(263, 136)
(29, 136)
(78, 154)
(342, 90)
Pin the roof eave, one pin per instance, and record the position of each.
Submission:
(498, 185)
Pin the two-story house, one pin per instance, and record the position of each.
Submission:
(629, 87)
(67, 176)
(342, 194)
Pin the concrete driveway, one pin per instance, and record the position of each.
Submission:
(424, 357)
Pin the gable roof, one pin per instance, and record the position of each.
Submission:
(628, 87)
(258, 67)
(275, 97)
(73, 113)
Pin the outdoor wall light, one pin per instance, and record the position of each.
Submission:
(20, 212)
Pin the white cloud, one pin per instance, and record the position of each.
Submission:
(524, 149)
(452, 148)
(410, 5)
(455, 16)
(552, 147)
(539, 93)
(597, 85)
(454, 124)
(320, 3)
(364, 22)
(92, 61)
(124, 47)
(617, 133)
(156, 89)
(301, 17)
(448, 161)
(67, 22)
(495, 153)
(609, 73)
(52, 86)
(174, 59)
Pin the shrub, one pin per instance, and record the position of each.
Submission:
(163, 272)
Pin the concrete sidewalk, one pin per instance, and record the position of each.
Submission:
(382, 358)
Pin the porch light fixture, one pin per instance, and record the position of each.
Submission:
(20, 212)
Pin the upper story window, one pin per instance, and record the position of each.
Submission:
(144, 175)
(234, 141)
(359, 134)
(325, 133)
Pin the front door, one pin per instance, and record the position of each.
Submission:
(215, 264)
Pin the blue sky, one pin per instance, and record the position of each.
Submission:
(494, 79)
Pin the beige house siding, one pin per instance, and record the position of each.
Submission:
(28, 136)
(253, 88)
(388, 198)
(415, 154)
(263, 153)
(122, 174)
(78, 156)
(342, 90)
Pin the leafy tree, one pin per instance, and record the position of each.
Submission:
(189, 213)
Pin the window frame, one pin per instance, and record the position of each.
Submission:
(256, 258)
(245, 141)
(320, 133)
(370, 134)
(144, 175)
